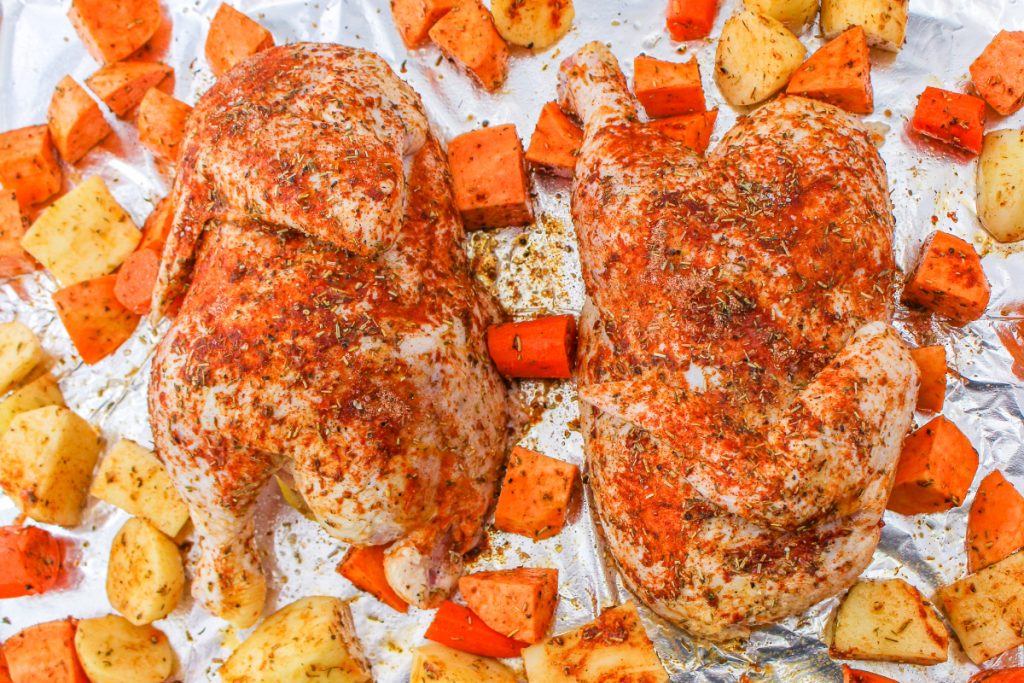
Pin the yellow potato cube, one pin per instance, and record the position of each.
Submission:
(111, 649)
(20, 353)
(133, 478)
(145, 576)
(41, 392)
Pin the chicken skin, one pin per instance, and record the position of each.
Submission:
(329, 324)
(743, 397)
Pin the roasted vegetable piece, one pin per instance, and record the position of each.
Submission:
(555, 143)
(535, 494)
(690, 19)
(122, 85)
(13, 224)
(38, 393)
(45, 653)
(435, 663)
(136, 279)
(795, 14)
(857, 676)
(535, 24)
(95, 320)
(414, 18)
(113, 650)
(667, 88)
(20, 353)
(158, 226)
(145, 577)
(884, 21)
(950, 117)
(364, 567)
(949, 280)
(75, 120)
(1015, 675)
(756, 55)
(28, 165)
(995, 526)
(541, 348)
(931, 365)
(998, 72)
(935, 470)
(30, 561)
(162, 122)
(466, 35)
(693, 130)
(458, 627)
(232, 38)
(489, 177)
(517, 602)
(613, 647)
(986, 609)
(112, 30)
(838, 73)
(300, 642)
(1001, 185)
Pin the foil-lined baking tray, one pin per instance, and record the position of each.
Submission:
(535, 271)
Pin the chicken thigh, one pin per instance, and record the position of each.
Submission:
(744, 398)
(329, 324)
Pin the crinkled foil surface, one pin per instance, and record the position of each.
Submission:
(535, 271)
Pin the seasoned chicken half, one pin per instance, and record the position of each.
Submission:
(744, 397)
(328, 324)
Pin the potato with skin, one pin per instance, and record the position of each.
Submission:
(46, 461)
(756, 56)
(887, 621)
(145, 576)
(535, 24)
(795, 14)
(113, 650)
(1001, 185)
(435, 663)
(884, 21)
(311, 639)
(20, 353)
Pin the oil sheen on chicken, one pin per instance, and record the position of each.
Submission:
(328, 324)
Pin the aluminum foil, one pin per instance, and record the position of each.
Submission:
(534, 271)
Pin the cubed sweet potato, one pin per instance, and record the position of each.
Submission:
(466, 34)
(122, 86)
(951, 117)
(995, 526)
(414, 18)
(535, 495)
(45, 653)
(136, 279)
(364, 567)
(998, 72)
(931, 364)
(158, 226)
(13, 224)
(489, 174)
(693, 130)
(519, 603)
(949, 280)
(555, 143)
(690, 19)
(935, 470)
(95, 320)
(1014, 675)
(162, 122)
(76, 121)
(114, 29)
(667, 88)
(232, 38)
(28, 165)
(838, 73)
(858, 676)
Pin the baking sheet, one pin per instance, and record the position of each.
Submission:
(535, 271)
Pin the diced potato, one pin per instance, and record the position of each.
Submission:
(434, 663)
(795, 14)
(884, 21)
(41, 392)
(113, 650)
(533, 23)
(132, 478)
(986, 609)
(307, 637)
(756, 56)
(46, 459)
(83, 235)
(145, 577)
(20, 353)
(1001, 185)
(888, 621)
(613, 647)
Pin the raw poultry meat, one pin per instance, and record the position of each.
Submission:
(329, 324)
(744, 399)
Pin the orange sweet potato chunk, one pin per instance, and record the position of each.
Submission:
(838, 73)
(489, 175)
(555, 143)
(995, 526)
(28, 165)
(693, 130)
(949, 280)
(535, 495)
(998, 72)
(114, 29)
(158, 226)
(122, 86)
(76, 121)
(667, 88)
(935, 470)
(162, 122)
(13, 259)
(232, 38)
(415, 18)
(45, 653)
(518, 603)
(95, 320)
(931, 363)
(466, 34)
